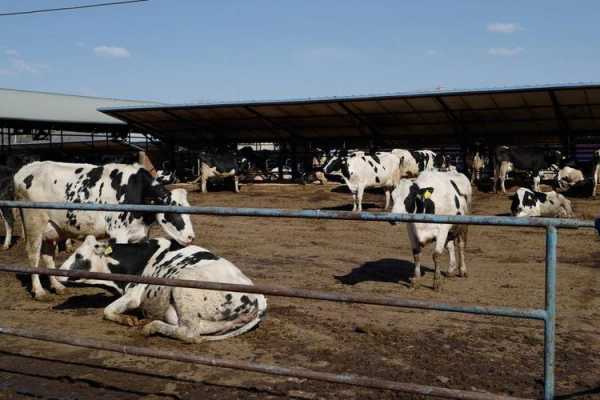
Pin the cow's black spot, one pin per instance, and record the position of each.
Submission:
(541, 196)
(375, 158)
(377, 179)
(529, 198)
(78, 170)
(456, 202)
(55, 181)
(132, 257)
(27, 181)
(455, 186)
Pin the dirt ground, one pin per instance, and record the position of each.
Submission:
(499, 355)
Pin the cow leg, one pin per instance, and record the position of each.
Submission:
(387, 199)
(416, 251)
(47, 256)
(440, 244)
(7, 216)
(596, 172)
(462, 242)
(34, 225)
(360, 191)
(536, 183)
(236, 184)
(130, 300)
(452, 256)
(203, 180)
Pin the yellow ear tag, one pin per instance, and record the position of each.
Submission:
(427, 194)
(107, 251)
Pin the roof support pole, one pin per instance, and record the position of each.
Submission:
(563, 124)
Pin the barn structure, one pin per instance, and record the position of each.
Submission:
(566, 116)
(39, 125)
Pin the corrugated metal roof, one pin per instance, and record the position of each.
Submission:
(511, 112)
(60, 108)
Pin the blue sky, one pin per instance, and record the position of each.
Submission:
(190, 50)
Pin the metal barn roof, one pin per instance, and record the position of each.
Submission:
(59, 111)
(501, 114)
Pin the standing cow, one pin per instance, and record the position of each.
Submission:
(49, 181)
(414, 162)
(361, 171)
(191, 315)
(475, 163)
(596, 177)
(7, 192)
(439, 193)
(217, 166)
(524, 159)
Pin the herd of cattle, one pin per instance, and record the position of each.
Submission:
(117, 242)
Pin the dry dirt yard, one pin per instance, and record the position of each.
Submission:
(500, 355)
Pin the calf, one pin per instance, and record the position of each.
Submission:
(440, 193)
(527, 203)
(361, 171)
(191, 315)
(529, 160)
(86, 183)
(568, 177)
(217, 166)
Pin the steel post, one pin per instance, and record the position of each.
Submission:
(550, 322)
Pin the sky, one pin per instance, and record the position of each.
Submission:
(181, 51)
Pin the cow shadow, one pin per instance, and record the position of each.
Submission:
(98, 300)
(348, 207)
(389, 270)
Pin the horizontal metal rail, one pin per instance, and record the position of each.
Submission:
(528, 313)
(348, 379)
(310, 214)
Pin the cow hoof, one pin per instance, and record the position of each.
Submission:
(62, 291)
(130, 320)
(463, 274)
(148, 329)
(414, 283)
(451, 274)
(42, 296)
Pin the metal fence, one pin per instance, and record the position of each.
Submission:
(547, 315)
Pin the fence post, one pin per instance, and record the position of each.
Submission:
(550, 321)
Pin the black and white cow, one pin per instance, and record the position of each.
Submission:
(217, 166)
(524, 159)
(475, 163)
(7, 192)
(361, 171)
(86, 183)
(165, 177)
(414, 162)
(440, 193)
(191, 315)
(527, 203)
(568, 177)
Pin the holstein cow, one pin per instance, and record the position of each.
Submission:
(414, 162)
(568, 177)
(527, 203)
(165, 177)
(525, 159)
(361, 171)
(191, 315)
(86, 183)
(475, 164)
(440, 193)
(596, 161)
(217, 166)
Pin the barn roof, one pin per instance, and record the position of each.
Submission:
(429, 115)
(21, 108)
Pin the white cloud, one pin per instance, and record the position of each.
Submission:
(19, 65)
(504, 51)
(11, 52)
(111, 52)
(431, 52)
(503, 27)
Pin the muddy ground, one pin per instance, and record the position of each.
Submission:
(500, 355)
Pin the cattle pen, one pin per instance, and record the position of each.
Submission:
(547, 315)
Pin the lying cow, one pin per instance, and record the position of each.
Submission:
(217, 166)
(361, 171)
(524, 159)
(527, 203)
(568, 177)
(440, 193)
(86, 183)
(191, 315)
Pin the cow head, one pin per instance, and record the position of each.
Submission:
(177, 226)
(410, 198)
(91, 256)
(441, 162)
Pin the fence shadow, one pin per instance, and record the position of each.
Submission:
(588, 393)
(385, 270)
